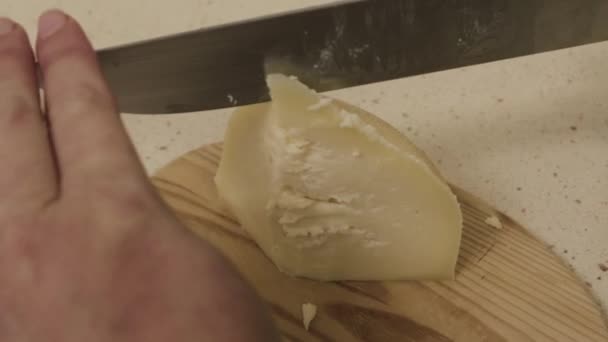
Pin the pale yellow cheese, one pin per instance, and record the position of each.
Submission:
(493, 221)
(309, 312)
(331, 192)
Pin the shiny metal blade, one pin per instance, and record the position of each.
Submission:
(341, 45)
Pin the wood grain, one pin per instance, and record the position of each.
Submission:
(509, 286)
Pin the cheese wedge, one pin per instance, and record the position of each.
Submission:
(331, 192)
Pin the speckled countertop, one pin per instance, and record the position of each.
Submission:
(529, 135)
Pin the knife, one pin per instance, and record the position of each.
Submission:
(340, 45)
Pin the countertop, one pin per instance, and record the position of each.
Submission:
(528, 135)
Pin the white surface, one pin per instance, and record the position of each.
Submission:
(528, 135)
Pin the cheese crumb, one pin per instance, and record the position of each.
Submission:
(231, 99)
(494, 221)
(323, 102)
(309, 311)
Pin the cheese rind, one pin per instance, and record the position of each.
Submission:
(331, 192)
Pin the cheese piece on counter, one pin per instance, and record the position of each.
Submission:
(330, 192)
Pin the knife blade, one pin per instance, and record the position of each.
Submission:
(340, 45)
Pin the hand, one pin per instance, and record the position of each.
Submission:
(88, 252)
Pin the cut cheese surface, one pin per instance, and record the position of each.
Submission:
(331, 192)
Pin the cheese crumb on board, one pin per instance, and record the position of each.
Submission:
(296, 180)
(494, 221)
(309, 311)
(323, 102)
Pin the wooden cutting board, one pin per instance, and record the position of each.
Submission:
(509, 286)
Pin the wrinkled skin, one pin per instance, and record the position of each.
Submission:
(88, 252)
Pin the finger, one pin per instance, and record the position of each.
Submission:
(90, 141)
(27, 171)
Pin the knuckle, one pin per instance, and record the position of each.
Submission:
(19, 110)
(16, 63)
(65, 53)
(122, 197)
(84, 98)
(11, 59)
(15, 51)
(75, 85)
(17, 244)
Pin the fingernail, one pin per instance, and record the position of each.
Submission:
(6, 25)
(50, 22)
